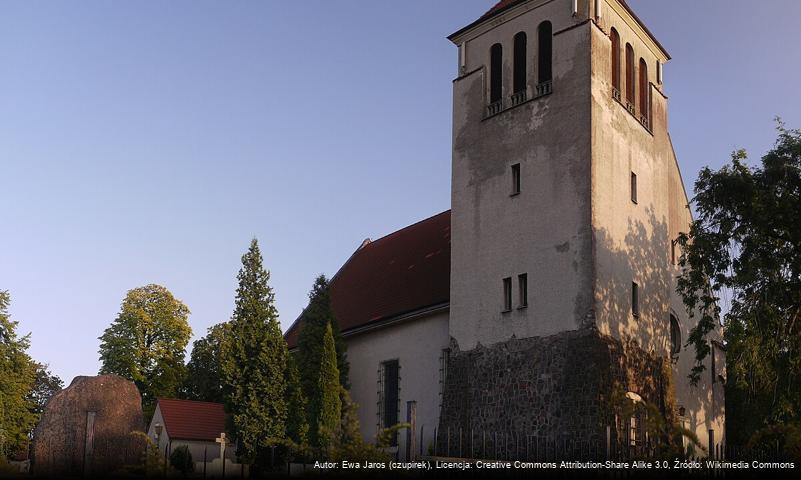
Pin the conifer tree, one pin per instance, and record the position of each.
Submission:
(315, 319)
(17, 376)
(253, 361)
(297, 428)
(329, 387)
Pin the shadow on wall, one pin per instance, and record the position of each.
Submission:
(642, 256)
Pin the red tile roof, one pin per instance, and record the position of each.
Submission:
(191, 420)
(405, 271)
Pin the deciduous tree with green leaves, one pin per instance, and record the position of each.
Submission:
(17, 377)
(146, 343)
(46, 384)
(253, 361)
(315, 319)
(204, 376)
(745, 246)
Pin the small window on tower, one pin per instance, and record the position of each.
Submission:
(507, 294)
(673, 251)
(515, 179)
(522, 282)
(675, 335)
(633, 187)
(635, 299)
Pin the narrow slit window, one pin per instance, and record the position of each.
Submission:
(713, 369)
(635, 299)
(673, 251)
(390, 402)
(522, 283)
(633, 431)
(633, 187)
(507, 294)
(675, 335)
(515, 179)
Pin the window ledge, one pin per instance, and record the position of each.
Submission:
(506, 311)
(514, 194)
(522, 307)
(504, 105)
(632, 110)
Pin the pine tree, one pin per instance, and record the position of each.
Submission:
(329, 387)
(253, 361)
(17, 377)
(315, 319)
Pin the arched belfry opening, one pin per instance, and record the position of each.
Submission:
(520, 63)
(545, 52)
(496, 73)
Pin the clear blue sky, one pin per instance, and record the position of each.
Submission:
(148, 142)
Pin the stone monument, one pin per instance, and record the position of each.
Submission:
(86, 428)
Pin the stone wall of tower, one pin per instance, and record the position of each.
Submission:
(544, 231)
(555, 390)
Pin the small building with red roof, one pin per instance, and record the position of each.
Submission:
(195, 424)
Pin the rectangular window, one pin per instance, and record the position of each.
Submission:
(673, 252)
(515, 179)
(444, 359)
(635, 299)
(633, 187)
(389, 395)
(522, 283)
(633, 431)
(507, 294)
(713, 368)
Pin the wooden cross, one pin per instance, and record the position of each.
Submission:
(223, 442)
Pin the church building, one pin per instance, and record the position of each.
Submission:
(550, 285)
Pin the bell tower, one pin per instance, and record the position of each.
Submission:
(566, 203)
(521, 261)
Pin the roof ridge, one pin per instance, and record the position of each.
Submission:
(186, 400)
(372, 242)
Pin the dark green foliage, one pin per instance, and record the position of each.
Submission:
(315, 318)
(17, 377)
(328, 386)
(203, 374)
(146, 343)
(745, 246)
(253, 361)
(181, 460)
(45, 386)
(297, 428)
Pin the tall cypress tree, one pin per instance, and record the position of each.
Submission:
(297, 428)
(317, 316)
(253, 361)
(329, 387)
